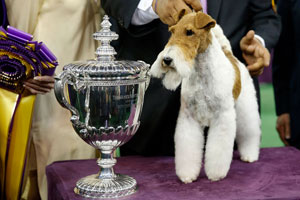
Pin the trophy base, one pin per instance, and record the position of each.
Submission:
(93, 187)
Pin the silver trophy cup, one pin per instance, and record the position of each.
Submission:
(105, 98)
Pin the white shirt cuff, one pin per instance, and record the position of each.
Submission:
(144, 13)
(260, 39)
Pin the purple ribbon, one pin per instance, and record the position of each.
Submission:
(12, 71)
(18, 33)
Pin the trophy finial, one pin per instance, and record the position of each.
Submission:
(105, 52)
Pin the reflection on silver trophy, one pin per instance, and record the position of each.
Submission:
(105, 98)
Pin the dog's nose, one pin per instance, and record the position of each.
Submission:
(167, 60)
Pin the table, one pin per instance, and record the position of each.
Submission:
(275, 176)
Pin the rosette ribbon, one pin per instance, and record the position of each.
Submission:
(20, 59)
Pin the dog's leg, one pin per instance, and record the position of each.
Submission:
(248, 123)
(188, 147)
(219, 145)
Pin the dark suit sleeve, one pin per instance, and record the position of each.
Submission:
(121, 10)
(283, 60)
(265, 22)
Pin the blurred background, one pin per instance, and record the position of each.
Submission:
(270, 137)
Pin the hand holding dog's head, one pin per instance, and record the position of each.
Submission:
(190, 36)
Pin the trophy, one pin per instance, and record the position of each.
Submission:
(105, 97)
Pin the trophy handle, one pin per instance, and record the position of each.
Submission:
(59, 90)
(148, 79)
(147, 73)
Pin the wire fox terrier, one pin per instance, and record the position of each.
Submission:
(216, 92)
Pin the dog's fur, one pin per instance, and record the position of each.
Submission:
(216, 91)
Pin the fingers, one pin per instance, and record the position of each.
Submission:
(257, 68)
(181, 9)
(256, 56)
(45, 84)
(280, 130)
(195, 4)
(262, 52)
(266, 56)
(47, 79)
(283, 127)
(42, 87)
(169, 20)
(33, 91)
(247, 40)
(169, 11)
(39, 85)
(249, 36)
(287, 132)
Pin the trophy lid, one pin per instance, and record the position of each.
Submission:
(104, 66)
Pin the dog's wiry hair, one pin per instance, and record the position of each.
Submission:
(237, 82)
(192, 34)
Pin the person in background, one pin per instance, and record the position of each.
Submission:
(251, 26)
(66, 27)
(286, 73)
(16, 104)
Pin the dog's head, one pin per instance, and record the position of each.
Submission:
(190, 36)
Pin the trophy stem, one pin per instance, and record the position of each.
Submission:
(106, 184)
(106, 163)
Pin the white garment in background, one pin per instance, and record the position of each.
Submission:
(66, 27)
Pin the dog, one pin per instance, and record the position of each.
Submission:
(216, 92)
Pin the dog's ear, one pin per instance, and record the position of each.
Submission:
(203, 20)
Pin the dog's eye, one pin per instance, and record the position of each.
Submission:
(189, 32)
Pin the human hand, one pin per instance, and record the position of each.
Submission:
(39, 84)
(255, 54)
(283, 127)
(170, 11)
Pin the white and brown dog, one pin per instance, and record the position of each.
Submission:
(216, 91)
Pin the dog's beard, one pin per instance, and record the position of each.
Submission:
(171, 75)
(156, 69)
(171, 80)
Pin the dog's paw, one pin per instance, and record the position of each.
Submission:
(216, 171)
(187, 178)
(216, 175)
(249, 158)
(187, 174)
(249, 155)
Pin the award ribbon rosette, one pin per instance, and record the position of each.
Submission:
(20, 59)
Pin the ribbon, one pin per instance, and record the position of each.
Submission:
(20, 59)
(13, 140)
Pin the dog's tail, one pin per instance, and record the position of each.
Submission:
(224, 42)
